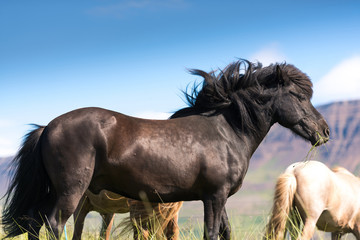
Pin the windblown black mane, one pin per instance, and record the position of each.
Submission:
(239, 81)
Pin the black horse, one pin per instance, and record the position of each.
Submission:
(202, 153)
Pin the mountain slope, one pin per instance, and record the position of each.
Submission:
(284, 148)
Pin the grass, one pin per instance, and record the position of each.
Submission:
(246, 227)
(191, 225)
(249, 227)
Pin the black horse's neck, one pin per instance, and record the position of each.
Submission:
(250, 123)
(251, 130)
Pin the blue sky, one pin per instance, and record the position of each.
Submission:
(132, 56)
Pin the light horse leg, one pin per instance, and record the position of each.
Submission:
(169, 220)
(159, 220)
(108, 220)
(310, 211)
(309, 228)
(172, 228)
(80, 213)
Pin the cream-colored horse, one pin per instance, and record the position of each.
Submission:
(326, 199)
(142, 215)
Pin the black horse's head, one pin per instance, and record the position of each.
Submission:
(292, 106)
(255, 95)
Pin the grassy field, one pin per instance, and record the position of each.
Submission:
(243, 227)
(248, 211)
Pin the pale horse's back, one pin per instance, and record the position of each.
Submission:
(334, 196)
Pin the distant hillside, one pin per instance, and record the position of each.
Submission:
(282, 147)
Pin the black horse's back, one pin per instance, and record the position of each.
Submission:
(29, 185)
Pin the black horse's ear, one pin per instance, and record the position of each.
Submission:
(281, 76)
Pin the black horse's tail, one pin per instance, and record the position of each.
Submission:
(29, 185)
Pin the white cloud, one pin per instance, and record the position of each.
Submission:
(153, 115)
(11, 133)
(268, 55)
(341, 83)
(7, 147)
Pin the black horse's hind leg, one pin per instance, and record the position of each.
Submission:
(38, 216)
(68, 195)
(225, 229)
(70, 171)
(80, 213)
(65, 206)
(213, 208)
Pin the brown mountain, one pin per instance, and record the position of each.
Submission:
(343, 149)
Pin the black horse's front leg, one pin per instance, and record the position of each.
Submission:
(213, 208)
(225, 228)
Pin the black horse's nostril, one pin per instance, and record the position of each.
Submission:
(326, 132)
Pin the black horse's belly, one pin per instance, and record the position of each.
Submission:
(139, 173)
(137, 180)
